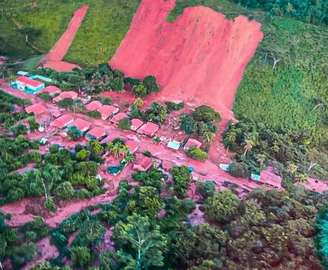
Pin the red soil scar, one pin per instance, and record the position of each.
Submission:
(54, 59)
(199, 58)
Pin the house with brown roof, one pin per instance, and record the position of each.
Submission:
(66, 95)
(62, 121)
(135, 124)
(51, 90)
(81, 125)
(107, 111)
(36, 109)
(142, 163)
(93, 106)
(192, 143)
(96, 133)
(148, 129)
(118, 117)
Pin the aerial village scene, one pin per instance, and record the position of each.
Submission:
(163, 134)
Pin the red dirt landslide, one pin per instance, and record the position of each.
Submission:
(199, 58)
(54, 59)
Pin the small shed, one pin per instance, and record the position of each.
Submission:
(36, 109)
(62, 121)
(132, 145)
(66, 94)
(81, 125)
(51, 90)
(118, 117)
(142, 163)
(93, 106)
(192, 143)
(107, 111)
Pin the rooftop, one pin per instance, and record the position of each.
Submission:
(96, 133)
(192, 143)
(36, 109)
(118, 117)
(93, 106)
(174, 145)
(51, 90)
(142, 163)
(136, 123)
(107, 110)
(132, 145)
(29, 82)
(148, 129)
(66, 94)
(81, 124)
(62, 121)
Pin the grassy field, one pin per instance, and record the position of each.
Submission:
(102, 31)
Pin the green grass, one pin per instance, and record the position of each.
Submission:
(102, 31)
(12, 43)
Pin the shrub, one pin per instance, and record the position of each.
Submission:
(222, 206)
(81, 256)
(140, 90)
(45, 96)
(124, 124)
(150, 83)
(239, 169)
(66, 103)
(206, 189)
(33, 124)
(172, 106)
(65, 191)
(74, 133)
(206, 114)
(197, 153)
(181, 179)
(94, 114)
(106, 101)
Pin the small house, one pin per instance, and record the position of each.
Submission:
(142, 163)
(148, 129)
(132, 145)
(135, 124)
(192, 143)
(118, 117)
(81, 125)
(62, 121)
(107, 111)
(93, 106)
(96, 133)
(66, 95)
(36, 109)
(51, 90)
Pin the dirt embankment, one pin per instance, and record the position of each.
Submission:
(199, 58)
(54, 59)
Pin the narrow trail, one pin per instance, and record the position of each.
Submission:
(54, 59)
(198, 58)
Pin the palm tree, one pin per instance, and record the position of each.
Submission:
(117, 149)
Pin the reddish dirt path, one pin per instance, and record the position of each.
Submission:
(54, 59)
(199, 58)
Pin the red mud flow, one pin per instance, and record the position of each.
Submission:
(199, 58)
(54, 58)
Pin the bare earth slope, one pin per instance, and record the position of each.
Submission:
(54, 58)
(199, 58)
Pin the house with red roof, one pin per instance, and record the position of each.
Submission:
(118, 117)
(62, 121)
(36, 109)
(81, 125)
(28, 85)
(107, 111)
(142, 163)
(135, 124)
(148, 129)
(96, 133)
(132, 145)
(93, 106)
(51, 90)
(66, 94)
(192, 143)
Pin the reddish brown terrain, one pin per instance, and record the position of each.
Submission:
(54, 59)
(199, 58)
